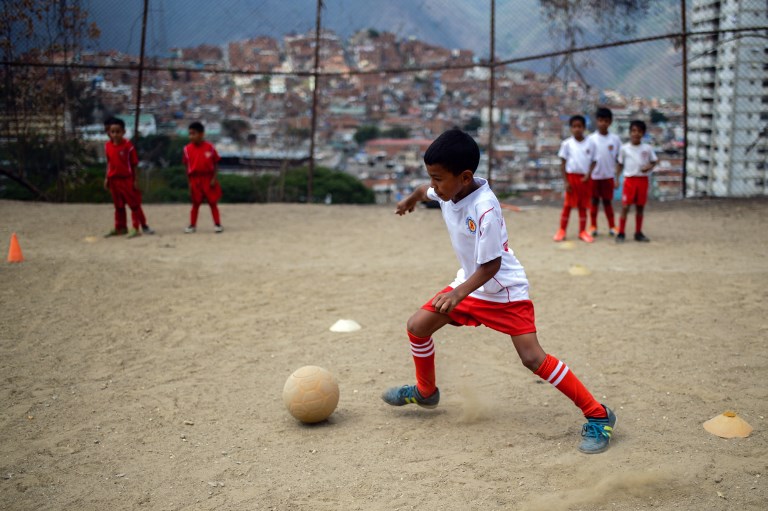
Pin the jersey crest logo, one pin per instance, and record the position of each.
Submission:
(610, 147)
(471, 225)
(208, 154)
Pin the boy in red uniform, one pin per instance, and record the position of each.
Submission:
(575, 163)
(121, 180)
(490, 288)
(201, 160)
(636, 160)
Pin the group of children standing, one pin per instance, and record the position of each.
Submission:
(200, 159)
(591, 168)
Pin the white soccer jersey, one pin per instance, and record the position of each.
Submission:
(635, 157)
(478, 235)
(577, 155)
(606, 154)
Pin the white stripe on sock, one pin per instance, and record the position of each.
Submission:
(562, 375)
(423, 355)
(554, 373)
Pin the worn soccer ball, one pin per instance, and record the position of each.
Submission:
(311, 394)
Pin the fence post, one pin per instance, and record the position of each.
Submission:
(141, 70)
(685, 97)
(313, 129)
(492, 90)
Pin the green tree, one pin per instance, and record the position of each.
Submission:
(236, 129)
(42, 107)
(366, 133)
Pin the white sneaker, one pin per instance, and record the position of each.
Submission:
(190, 229)
(218, 228)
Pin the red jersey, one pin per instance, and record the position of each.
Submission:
(121, 159)
(200, 159)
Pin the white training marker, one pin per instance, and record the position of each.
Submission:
(346, 325)
(578, 270)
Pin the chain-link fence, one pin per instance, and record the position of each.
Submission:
(362, 87)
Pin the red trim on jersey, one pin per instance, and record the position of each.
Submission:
(480, 222)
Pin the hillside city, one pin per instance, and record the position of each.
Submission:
(260, 116)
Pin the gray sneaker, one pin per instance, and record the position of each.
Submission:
(597, 432)
(409, 394)
(190, 229)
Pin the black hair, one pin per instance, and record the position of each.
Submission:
(114, 120)
(455, 150)
(197, 126)
(604, 113)
(577, 118)
(638, 124)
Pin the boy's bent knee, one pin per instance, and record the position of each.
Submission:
(532, 361)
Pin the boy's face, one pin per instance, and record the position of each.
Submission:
(195, 136)
(603, 123)
(635, 135)
(447, 185)
(577, 130)
(116, 133)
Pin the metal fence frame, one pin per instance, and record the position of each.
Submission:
(491, 64)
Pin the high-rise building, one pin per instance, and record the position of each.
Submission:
(728, 100)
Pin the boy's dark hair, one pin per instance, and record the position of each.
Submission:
(577, 118)
(197, 126)
(604, 113)
(638, 124)
(454, 150)
(111, 121)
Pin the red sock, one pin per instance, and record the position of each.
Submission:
(582, 219)
(638, 223)
(215, 213)
(559, 375)
(193, 214)
(593, 214)
(423, 351)
(609, 214)
(622, 224)
(564, 217)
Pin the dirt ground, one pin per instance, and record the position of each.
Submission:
(147, 373)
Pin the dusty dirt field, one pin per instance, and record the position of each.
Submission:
(107, 347)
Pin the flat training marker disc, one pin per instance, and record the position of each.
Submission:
(345, 325)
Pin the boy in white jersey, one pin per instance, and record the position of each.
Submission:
(636, 160)
(575, 162)
(490, 288)
(607, 147)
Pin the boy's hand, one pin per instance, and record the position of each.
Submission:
(213, 181)
(446, 302)
(616, 184)
(568, 187)
(405, 206)
(646, 169)
(585, 178)
(106, 183)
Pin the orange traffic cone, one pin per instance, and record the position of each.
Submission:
(14, 252)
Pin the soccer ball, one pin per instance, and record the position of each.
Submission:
(311, 394)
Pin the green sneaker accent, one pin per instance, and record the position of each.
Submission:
(134, 233)
(115, 232)
(597, 433)
(409, 394)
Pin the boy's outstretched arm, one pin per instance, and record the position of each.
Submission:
(408, 204)
(619, 170)
(446, 302)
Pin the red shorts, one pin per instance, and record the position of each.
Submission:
(511, 318)
(200, 188)
(124, 193)
(635, 191)
(602, 189)
(580, 193)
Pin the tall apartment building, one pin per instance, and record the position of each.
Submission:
(728, 100)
